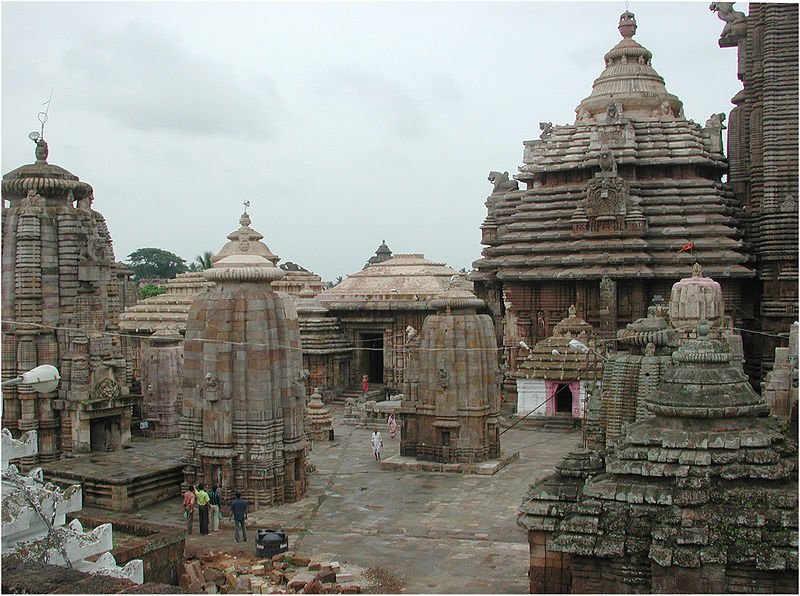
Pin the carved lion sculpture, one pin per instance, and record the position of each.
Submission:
(502, 183)
(607, 161)
(735, 21)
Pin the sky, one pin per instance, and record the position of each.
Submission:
(342, 123)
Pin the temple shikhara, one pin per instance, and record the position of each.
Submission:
(632, 317)
(243, 384)
(61, 307)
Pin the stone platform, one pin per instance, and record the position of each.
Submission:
(485, 468)
(149, 471)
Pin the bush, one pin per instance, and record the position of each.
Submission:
(150, 290)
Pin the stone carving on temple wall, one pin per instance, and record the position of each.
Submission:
(106, 389)
(32, 199)
(547, 130)
(616, 135)
(607, 161)
(501, 182)
(735, 21)
(789, 205)
(613, 111)
(212, 386)
(664, 109)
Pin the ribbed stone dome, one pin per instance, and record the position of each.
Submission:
(629, 79)
(49, 181)
(704, 383)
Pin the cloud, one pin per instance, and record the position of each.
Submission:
(161, 86)
(377, 98)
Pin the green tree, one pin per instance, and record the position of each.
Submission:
(334, 283)
(150, 290)
(201, 262)
(155, 263)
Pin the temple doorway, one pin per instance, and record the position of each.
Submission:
(563, 399)
(372, 356)
(104, 434)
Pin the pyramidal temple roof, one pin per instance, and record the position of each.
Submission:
(620, 191)
(408, 279)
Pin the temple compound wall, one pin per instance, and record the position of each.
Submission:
(451, 397)
(61, 306)
(763, 156)
(243, 382)
(615, 209)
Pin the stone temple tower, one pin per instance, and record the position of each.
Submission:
(61, 306)
(243, 387)
(452, 383)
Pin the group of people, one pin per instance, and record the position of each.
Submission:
(208, 505)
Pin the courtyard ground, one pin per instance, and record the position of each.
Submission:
(428, 532)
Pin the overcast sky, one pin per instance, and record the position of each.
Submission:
(342, 123)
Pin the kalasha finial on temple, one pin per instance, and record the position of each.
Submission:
(41, 146)
(627, 24)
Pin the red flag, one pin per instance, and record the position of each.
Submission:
(689, 246)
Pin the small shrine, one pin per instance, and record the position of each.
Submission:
(318, 418)
(554, 377)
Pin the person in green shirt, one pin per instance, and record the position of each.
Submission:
(215, 505)
(202, 506)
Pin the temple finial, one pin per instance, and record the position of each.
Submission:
(627, 24)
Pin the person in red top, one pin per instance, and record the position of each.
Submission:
(364, 384)
(189, 499)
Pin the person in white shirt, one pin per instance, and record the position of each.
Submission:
(377, 443)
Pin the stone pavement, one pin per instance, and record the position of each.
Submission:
(438, 532)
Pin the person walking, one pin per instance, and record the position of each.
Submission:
(377, 443)
(188, 507)
(364, 385)
(239, 517)
(202, 507)
(214, 503)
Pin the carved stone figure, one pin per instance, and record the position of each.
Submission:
(715, 121)
(607, 161)
(411, 333)
(547, 130)
(664, 109)
(613, 111)
(501, 182)
(735, 21)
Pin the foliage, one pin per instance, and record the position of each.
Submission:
(150, 290)
(155, 263)
(201, 262)
(335, 282)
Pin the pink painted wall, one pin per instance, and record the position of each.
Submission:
(551, 388)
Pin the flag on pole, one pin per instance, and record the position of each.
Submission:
(686, 247)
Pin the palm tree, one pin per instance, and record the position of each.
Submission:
(201, 262)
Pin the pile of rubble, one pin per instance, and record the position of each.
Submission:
(285, 573)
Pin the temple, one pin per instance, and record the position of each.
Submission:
(763, 155)
(700, 496)
(61, 306)
(451, 400)
(243, 389)
(617, 207)
(378, 303)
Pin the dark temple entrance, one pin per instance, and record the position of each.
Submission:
(372, 356)
(564, 399)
